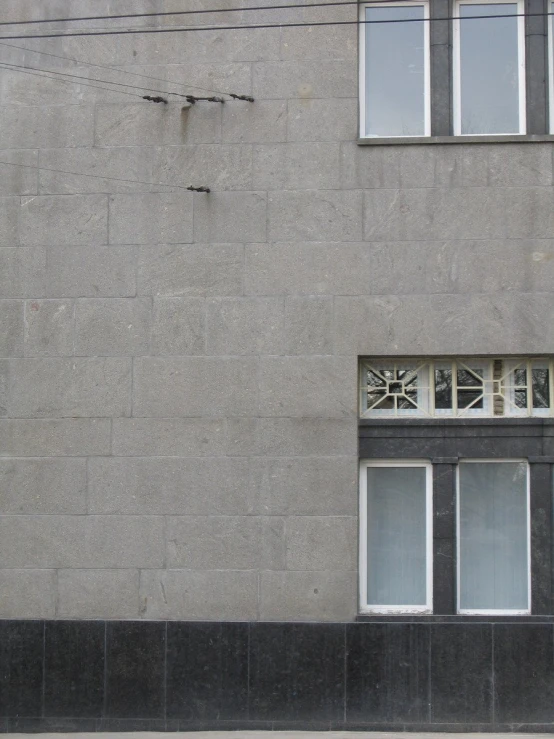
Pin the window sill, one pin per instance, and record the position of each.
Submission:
(453, 618)
(419, 140)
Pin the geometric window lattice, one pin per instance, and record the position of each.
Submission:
(456, 388)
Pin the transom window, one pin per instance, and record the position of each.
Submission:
(457, 388)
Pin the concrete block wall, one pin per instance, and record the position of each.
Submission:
(178, 371)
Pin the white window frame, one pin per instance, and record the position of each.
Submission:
(426, 65)
(363, 563)
(457, 65)
(493, 611)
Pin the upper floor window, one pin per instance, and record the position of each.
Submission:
(459, 388)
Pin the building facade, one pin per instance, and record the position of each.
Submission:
(277, 455)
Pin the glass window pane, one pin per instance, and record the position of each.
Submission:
(395, 71)
(489, 73)
(493, 536)
(396, 536)
(541, 388)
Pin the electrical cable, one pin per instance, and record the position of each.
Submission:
(258, 26)
(103, 177)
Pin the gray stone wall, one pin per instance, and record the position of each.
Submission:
(178, 371)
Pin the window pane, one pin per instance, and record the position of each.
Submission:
(493, 536)
(396, 533)
(395, 72)
(489, 74)
(541, 388)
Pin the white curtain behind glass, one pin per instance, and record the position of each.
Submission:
(396, 536)
(493, 536)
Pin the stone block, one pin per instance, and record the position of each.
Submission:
(81, 542)
(315, 216)
(199, 596)
(307, 268)
(322, 120)
(195, 386)
(242, 437)
(230, 216)
(308, 596)
(293, 166)
(83, 272)
(126, 162)
(204, 77)
(171, 485)
(219, 166)
(189, 271)
(28, 593)
(245, 326)
(9, 221)
(49, 328)
(149, 125)
(178, 326)
(22, 271)
(322, 543)
(321, 42)
(11, 328)
(54, 437)
(151, 218)
(16, 180)
(57, 387)
(63, 220)
(112, 326)
(308, 387)
(308, 486)
(42, 486)
(516, 166)
(104, 594)
(167, 437)
(245, 123)
(309, 325)
(36, 127)
(225, 543)
(305, 79)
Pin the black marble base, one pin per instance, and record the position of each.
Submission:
(60, 676)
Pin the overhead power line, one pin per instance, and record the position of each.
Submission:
(191, 29)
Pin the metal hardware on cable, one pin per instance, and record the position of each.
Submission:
(155, 99)
(199, 189)
(192, 99)
(241, 97)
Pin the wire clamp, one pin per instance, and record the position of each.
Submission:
(241, 97)
(156, 99)
(192, 99)
(202, 188)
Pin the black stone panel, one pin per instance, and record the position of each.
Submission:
(444, 596)
(444, 496)
(136, 724)
(461, 673)
(207, 671)
(387, 674)
(74, 668)
(50, 725)
(523, 673)
(541, 538)
(21, 668)
(135, 669)
(296, 672)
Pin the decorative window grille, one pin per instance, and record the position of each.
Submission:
(456, 388)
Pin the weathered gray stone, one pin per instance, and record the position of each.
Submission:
(199, 596)
(64, 219)
(50, 387)
(29, 127)
(322, 120)
(112, 327)
(322, 543)
(22, 271)
(245, 326)
(166, 485)
(308, 596)
(219, 166)
(296, 166)
(309, 322)
(167, 437)
(49, 328)
(85, 272)
(309, 79)
(54, 437)
(151, 218)
(321, 42)
(244, 123)
(21, 180)
(195, 386)
(9, 221)
(202, 269)
(178, 326)
(230, 216)
(81, 541)
(102, 594)
(42, 486)
(520, 166)
(315, 216)
(27, 593)
(11, 328)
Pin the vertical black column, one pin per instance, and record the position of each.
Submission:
(444, 549)
(441, 67)
(536, 65)
(541, 539)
